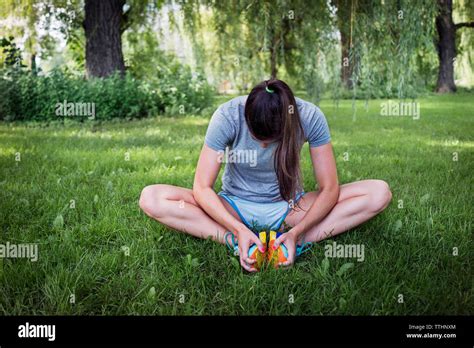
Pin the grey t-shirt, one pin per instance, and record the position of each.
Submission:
(249, 172)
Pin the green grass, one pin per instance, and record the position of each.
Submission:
(408, 251)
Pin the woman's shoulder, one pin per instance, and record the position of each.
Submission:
(233, 109)
(233, 103)
(308, 111)
(305, 106)
(314, 123)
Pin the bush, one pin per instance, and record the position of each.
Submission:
(26, 96)
(181, 90)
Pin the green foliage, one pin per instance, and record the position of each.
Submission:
(10, 54)
(173, 89)
(391, 44)
(25, 96)
(179, 88)
(245, 42)
(391, 59)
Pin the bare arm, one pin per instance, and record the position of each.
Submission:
(324, 166)
(203, 191)
(206, 174)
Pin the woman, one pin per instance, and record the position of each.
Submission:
(260, 138)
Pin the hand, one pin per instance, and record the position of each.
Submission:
(289, 239)
(246, 238)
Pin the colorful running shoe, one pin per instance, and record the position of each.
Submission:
(274, 257)
(280, 255)
(270, 256)
(254, 252)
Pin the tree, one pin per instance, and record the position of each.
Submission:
(258, 40)
(102, 26)
(100, 23)
(104, 23)
(344, 25)
(388, 39)
(446, 46)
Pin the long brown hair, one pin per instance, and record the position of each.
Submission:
(272, 115)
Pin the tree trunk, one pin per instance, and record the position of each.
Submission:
(34, 68)
(273, 58)
(344, 26)
(346, 64)
(102, 26)
(446, 47)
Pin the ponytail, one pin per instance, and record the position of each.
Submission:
(271, 114)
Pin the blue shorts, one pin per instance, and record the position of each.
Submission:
(260, 216)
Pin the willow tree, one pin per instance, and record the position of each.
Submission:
(388, 39)
(383, 44)
(446, 44)
(346, 12)
(261, 38)
(401, 30)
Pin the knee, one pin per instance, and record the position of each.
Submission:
(379, 196)
(151, 201)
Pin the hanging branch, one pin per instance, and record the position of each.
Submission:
(464, 25)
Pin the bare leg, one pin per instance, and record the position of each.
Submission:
(176, 207)
(358, 202)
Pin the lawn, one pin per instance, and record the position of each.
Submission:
(74, 187)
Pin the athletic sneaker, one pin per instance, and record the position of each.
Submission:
(273, 257)
(254, 252)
